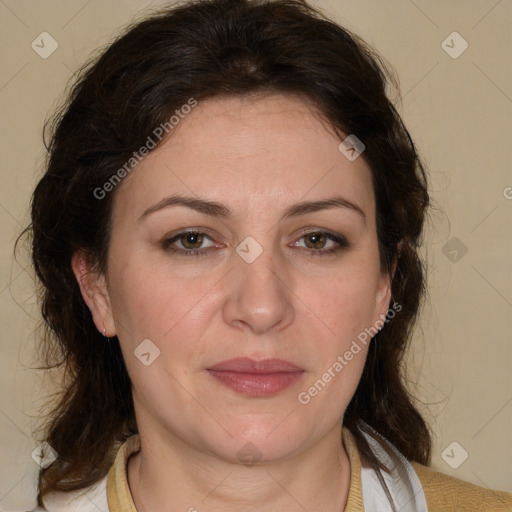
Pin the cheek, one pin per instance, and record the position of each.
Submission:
(168, 308)
(146, 301)
(344, 306)
(340, 347)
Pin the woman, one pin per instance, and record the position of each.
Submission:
(226, 237)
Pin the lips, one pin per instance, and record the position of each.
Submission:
(256, 378)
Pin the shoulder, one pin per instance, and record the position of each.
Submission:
(446, 493)
(91, 499)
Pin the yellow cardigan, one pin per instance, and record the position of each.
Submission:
(443, 493)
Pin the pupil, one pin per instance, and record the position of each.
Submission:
(319, 240)
(192, 239)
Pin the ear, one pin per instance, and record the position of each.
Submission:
(383, 294)
(93, 287)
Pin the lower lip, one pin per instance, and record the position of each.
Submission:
(256, 384)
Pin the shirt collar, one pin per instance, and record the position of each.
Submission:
(120, 499)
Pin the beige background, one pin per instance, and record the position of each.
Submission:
(459, 113)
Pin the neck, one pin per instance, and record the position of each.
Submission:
(170, 475)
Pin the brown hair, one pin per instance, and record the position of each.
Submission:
(202, 49)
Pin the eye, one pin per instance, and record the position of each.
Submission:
(191, 242)
(317, 241)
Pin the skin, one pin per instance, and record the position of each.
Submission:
(258, 156)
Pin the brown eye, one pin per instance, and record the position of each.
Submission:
(320, 243)
(187, 243)
(318, 240)
(191, 240)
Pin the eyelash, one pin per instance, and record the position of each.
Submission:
(341, 241)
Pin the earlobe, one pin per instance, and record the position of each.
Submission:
(94, 292)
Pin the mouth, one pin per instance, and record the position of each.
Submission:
(256, 378)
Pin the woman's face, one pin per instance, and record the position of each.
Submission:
(255, 289)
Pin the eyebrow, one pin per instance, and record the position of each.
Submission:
(215, 209)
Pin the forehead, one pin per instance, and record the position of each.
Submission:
(251, 152)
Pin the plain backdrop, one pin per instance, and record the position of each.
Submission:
(457, 104)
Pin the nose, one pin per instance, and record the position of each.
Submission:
(259, 295)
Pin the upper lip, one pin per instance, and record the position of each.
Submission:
(248, 365)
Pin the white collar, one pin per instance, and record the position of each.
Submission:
(403, 483)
